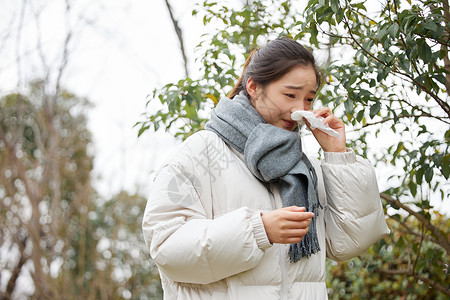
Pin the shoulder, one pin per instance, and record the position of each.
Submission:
(199, 146)
(202, 139)
(202, 142)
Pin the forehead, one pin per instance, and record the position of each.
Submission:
(301, 76)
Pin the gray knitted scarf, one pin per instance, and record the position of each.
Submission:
(272, 154)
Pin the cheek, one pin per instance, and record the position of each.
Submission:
(273, 105)
(307, 105)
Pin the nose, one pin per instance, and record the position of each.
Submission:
(297, 105)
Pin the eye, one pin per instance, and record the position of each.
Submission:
(310, 99)
(290, 95)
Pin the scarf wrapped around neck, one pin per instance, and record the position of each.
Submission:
(272, 154)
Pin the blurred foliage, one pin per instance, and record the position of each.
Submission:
(388, 78)
(409, 265)
(59, 239)
(126, 269)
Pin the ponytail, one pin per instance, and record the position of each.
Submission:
(241, 85)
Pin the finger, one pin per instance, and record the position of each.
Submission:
(291, 225)
(322, 111)
(299, 232)
(298, 216)
(328, 119)
(296, 236)
(294, 208)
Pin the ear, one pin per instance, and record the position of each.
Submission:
(252, 89)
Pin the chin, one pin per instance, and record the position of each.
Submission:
(288, 128)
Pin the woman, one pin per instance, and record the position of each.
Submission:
(239, 212)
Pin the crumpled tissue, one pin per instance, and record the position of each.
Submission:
(313, 122)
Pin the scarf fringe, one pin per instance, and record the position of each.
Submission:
(310, 243)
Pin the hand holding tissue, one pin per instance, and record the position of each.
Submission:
(313, 122)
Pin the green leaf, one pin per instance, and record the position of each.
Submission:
(441, 78)
(419, 176)
(360, 115)
(191, 112)
(425, 53)
(400, 147)
(143, 129)
(430, 26)
(393, 30)
(412, 188)
(438, 158)
(429, 174)
(446, 166)
(335, 6)
(382, 31)
(348, 104)
(404, 63)
(314, 32)
(374, 109)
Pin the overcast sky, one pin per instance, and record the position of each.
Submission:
(120, 51)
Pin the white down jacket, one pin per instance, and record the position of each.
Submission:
(203, 227)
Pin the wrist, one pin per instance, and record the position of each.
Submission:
(337, 150)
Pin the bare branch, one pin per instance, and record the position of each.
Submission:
(17, 269)
(18, 40)
(8, 33)
(180, 37)
(39, 46)
(65, 55)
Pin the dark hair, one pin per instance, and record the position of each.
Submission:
(272, 61)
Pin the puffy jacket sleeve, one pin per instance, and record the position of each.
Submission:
(187, 242)
(354, 217)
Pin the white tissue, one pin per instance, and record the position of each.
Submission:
(313, 122)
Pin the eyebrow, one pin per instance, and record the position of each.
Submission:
(298, 87)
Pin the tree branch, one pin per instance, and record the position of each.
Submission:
(10, 287)
(445, 48)
(18, 40)
(410, 231)
(444, 105)
(406, 116)
(65, 57)
(408, 272)
(441, 239)
(418, 250)
(180, 37)
(433, 284)
(39, 46)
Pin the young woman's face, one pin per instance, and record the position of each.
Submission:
(294, 91)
